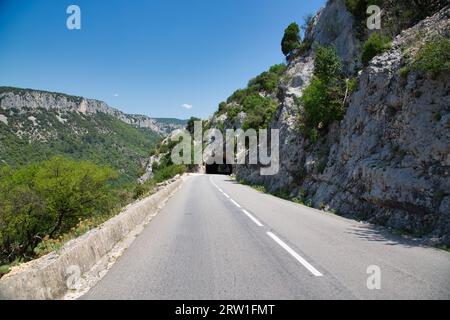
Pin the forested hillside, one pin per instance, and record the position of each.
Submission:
(36, 125)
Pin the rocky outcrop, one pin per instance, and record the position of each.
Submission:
(388, 160)
(148, 171)
(14, 98)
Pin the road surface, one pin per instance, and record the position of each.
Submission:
(217, 239)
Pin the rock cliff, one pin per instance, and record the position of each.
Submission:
(388, 160)
(34, 99)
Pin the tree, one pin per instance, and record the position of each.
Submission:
(191, 123)
(48, 199)
(291, 39)
(324, 98)
(327, 64)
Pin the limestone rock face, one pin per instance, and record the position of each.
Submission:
(388, 160)
(334, 25)
(35, 99)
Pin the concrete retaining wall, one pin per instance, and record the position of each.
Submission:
(46, 277)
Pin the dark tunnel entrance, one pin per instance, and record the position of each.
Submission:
(225, 169)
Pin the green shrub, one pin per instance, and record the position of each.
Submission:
(434, 57)
(237, 96)
(191, 123)
(222, 107)
(404, 72)
(4, 269)
(49, 198)
(259, 111)
(233, 113)
(315, 102)
(323, 99)
(327, 64)
(267, 81)
(168, 172)
(352, 84)
(376, 44)
(291, 39)
(259, 188)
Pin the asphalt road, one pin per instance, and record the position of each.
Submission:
(216, 239)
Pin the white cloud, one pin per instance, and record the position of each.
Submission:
(116, 95)
(187, 106)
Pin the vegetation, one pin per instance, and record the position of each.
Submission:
(433, 57)
(64, 173)
(397, 14)
(47, 199)
(376, 44)
(324, 100)
(168, 172)
(100, 138)
(190, 124)
(259, 111)
(256, 100)
(23, 91)
(268, 80)
(291, 39)
(45, 204)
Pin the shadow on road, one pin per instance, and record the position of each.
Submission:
(381, 234)
(371, 232)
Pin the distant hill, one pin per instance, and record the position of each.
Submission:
(172, 121)
(35, 125)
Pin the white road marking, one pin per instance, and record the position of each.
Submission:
(259, 224)
(305, 263)
(297, 257)
(235, 203)
(248, 214)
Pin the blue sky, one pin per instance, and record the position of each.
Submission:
(148, 57)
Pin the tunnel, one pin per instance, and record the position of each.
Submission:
(225, 169)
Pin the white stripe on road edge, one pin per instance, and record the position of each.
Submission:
(305, 263)
(235, 203)
(259, 224)
(226, 195)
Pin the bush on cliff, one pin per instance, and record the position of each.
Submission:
(323, 100)
(433, 57)
(375, 45)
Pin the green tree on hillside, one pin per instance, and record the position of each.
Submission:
(324, 99)
(291, 39)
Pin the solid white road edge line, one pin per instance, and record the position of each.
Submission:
(305, 263)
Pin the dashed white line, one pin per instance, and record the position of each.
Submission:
(235, 203)
(259, 224)
(305, 263)
(280, 242)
